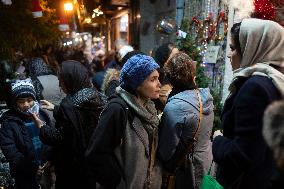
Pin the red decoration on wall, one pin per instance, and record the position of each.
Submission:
(37, 10)
(264, 10)
(199, 27)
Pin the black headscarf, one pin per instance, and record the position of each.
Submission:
(75, 76)
(37, 67)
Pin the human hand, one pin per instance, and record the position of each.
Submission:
(39, 171)
(47, 105)
(217, 133)
(38, 122)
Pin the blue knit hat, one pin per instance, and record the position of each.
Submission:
(136, 70)
(23, 88)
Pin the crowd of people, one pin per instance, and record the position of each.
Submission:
(127, 120)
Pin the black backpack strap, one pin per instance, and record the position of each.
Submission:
(118, 100)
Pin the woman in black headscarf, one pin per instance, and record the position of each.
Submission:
(45, 81)
(76, 118)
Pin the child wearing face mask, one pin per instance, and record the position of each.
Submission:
(19, 136)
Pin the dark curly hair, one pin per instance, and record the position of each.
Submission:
(181, 71)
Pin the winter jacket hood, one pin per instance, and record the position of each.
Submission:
(110, 75)
(189, 97)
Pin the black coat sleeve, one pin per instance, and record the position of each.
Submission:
(19, 162)
(100, 152)
(55, 136)
(247, 147)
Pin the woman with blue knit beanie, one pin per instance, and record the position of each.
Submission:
(122, 151)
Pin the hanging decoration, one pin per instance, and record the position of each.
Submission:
(7, 2)
(166, 26)
(181, 34)
(206, 30)
(263, 9)
(37, 10)
(63, 23)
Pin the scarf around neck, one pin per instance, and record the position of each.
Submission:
(147, 113)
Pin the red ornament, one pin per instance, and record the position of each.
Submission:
(37, 10)
(63, 23)
(264, 10)
(195, 20)
(222, 14)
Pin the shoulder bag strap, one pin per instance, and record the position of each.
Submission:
(200, 114)
(191, 144)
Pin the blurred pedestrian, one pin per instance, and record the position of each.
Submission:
(162, 55)
(121, 48)
(46, 83)
(122, 151)
(98, 69)
(257, 56)
(186, 125)
(50, 59)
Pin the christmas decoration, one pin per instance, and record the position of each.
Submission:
(7, 2)
(181, 34)
(206, 30)
(263, 10)
(37, 10)
(63, 23)
(166, 26)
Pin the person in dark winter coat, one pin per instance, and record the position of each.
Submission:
(76, 118)
(122, 150)
(180, 122)
(46, 83)
(243, 157)
(19, 135)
